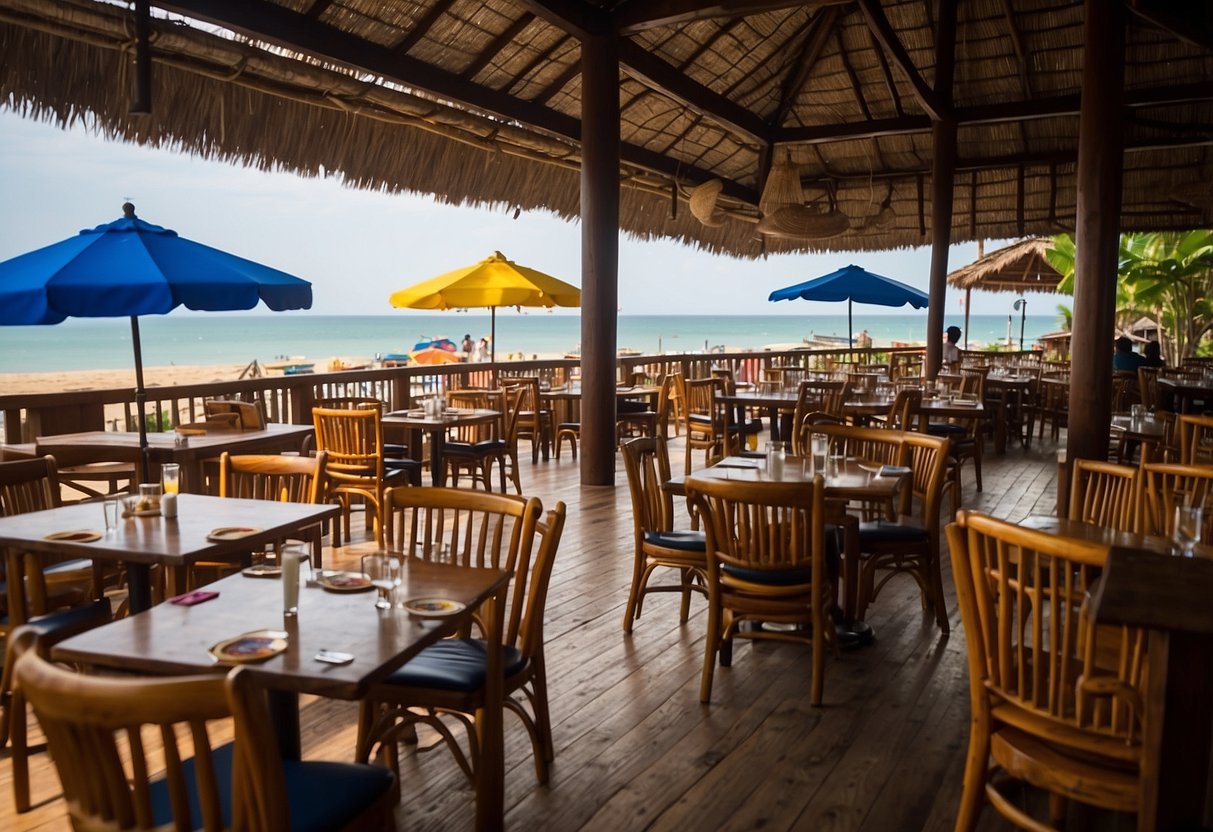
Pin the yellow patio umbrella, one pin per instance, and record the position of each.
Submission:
(494, 281)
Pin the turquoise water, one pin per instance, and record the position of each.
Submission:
(198, 338)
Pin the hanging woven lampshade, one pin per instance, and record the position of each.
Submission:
(804, 222)
(703, 203)
(782, 188)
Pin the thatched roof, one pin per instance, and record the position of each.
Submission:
(479, 101)
(1021, 267)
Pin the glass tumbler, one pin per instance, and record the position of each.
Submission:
(170, 477)
(383, 570)
(1187, 529)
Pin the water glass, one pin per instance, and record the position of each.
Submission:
(289, 560)
(170, 477)
(1187, 529)
(836, 465)
(383, 570)
(776, 457)
(111, 508)
(820, 447)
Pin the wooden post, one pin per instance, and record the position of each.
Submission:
(1097, 230)
(943, 171)
(599, 254)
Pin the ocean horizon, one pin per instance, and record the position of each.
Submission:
(222, 338)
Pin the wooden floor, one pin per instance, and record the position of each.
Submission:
(634, 747)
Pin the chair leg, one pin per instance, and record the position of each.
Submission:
(711, 644)
(634, 593)
(18, 730)
(936, 583)
(977, 763)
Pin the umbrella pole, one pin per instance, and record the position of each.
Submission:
(493, 334)
(850, 326)
(140, 401)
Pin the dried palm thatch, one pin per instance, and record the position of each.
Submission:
(479, 102)
(1022, 267)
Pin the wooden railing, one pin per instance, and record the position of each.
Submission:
(289, 399)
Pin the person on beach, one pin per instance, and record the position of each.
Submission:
(468, 347)
(482, 350)
(1153, 355)
(951, 352)
(864, 341)
(1124, 358)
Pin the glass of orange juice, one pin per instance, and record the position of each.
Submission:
(170, 477)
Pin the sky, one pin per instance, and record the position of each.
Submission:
(357, 246)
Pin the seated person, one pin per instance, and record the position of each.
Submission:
(1124, 358)
(951, 352)
(1153, 355)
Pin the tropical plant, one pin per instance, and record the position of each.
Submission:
(1166, 275)
(1065, 317)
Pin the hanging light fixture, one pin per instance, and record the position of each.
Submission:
(784, 213)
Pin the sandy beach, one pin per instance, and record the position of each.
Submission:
(12, 384)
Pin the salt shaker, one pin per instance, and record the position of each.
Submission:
(168, 505)
(775, 460)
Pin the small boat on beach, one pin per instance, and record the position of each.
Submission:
(290, 365)
(828, 341)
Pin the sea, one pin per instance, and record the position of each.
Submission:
(223, 338)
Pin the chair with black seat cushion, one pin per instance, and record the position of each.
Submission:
(765, 563)
(1057, 702)
(93, 724)
(391, 450)
(657, 544)
(534, 420)
(447, 679)
(909, 544)
(475, 448)
(816, 396)
(49, 630)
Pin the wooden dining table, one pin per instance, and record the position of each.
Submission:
(778, 403)
(123, 446)
(141, 541)
(173, 639)
(415, 423)
(856, 480)
(1180, 395)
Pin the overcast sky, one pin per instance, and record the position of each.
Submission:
(357, 247)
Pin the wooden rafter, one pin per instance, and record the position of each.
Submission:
(541, 58)
(856, 87)
(887, 72)
(1190, 22)
(874, 16)
(639, 15)
(423, 27)
(292, 30)
(318, 8)
(577, 18)
(823, 24)
(558, 83)
(500, 42)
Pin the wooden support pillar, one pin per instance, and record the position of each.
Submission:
(943, 172)
(1097, 231)
(599, 254)
(943, 167)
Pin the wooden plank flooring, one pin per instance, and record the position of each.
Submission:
(635, 749)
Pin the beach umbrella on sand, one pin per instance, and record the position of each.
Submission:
(433, 356)
(129, 268)
(852, 283)
(494, 281)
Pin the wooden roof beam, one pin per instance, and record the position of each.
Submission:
(579, 19)
(318, 8)
(887, 73)
(641, 15)
(810, 53)
(500, 42)
(292, 30)
(422, 28)
(1190, 22)
(652, 71)
(873, 15)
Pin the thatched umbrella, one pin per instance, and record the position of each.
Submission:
(1020, 267)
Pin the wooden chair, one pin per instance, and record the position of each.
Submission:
(447, 679)
(1104, 493)
(28, 485)
(1052, 405)
(703, 421)
(816, 396)
(1195, 439)
(657, 544)
(910, 544)
(1056, 702)
(356, 467)
(475, 448)
(766, 552)
(675, 410)
(534, 420)
(92, 724)
(284, 479)
(49, 630)
(1147, 386)
(1166, 486)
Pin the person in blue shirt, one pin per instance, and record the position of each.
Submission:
(1124, 358)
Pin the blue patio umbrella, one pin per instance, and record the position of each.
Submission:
(129, 268)
(852, 283)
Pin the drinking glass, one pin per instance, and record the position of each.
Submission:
(289, 561)
(1186, 531)
(149, 497)
(821, 447)
(837, 463)
(383, 570)
(170, 477)
(776, 456)
(110, 506)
